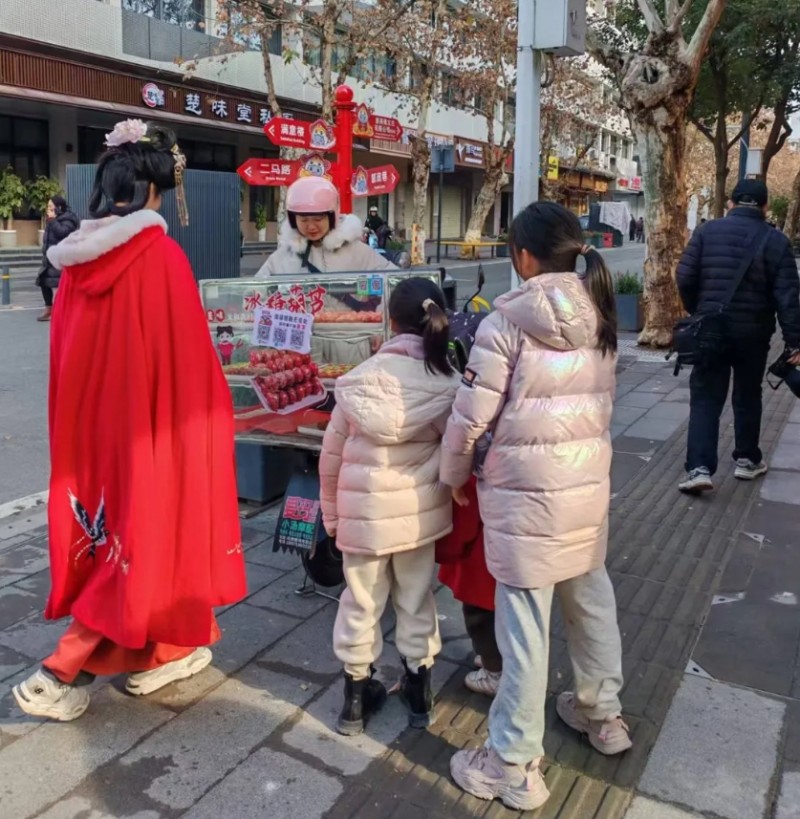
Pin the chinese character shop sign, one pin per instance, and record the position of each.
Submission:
(153, 96)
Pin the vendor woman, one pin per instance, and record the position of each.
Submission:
(316, 239)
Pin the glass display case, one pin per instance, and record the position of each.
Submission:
(284, 341)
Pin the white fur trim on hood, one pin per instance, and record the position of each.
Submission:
(348, 230)
(97, 237)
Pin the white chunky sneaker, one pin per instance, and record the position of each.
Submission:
(43, 695)
(609, 737)
(146, 682)
(483, 682)
(485, 775)
(747, 470)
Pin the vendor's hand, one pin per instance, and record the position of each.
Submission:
(795, 360)
(460, 496)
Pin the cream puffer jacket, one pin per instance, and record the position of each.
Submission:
(536, 380)
(379, 469)
(341, 250)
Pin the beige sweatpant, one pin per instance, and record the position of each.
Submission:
(406, 577)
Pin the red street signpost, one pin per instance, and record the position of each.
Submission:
(374, 181)
(387, 129)
(293, 133)
(268, 171)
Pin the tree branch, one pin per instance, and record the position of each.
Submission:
(651, 16)
(702, 35)
(675, 21)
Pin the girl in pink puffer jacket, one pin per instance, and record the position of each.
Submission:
(541, 379)
(381, 497)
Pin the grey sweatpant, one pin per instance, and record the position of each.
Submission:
(522, 622)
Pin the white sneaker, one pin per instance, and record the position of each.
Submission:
(483, 682)
(697, 482)
(43, 695)
(747, 470)
(609, 737)
(146, 682)
(484, 774)
(478, 661)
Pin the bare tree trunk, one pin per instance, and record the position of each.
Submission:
(493, 181)
(665, 224)
(792, 225)
(421, 170)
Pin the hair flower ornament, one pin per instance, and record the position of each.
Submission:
(129, 130)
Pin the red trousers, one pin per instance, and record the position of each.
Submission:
(81, 649)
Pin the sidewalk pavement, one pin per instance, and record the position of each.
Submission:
(707, 591)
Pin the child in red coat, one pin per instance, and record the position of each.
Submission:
(463, 570)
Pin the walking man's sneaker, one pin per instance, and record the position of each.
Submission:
(610, 737)
(485, 775)
(44, 695)
(747, 470)
(483, 682)
(697, 482)
(146, 682)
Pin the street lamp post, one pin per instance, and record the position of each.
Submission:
(529, 92)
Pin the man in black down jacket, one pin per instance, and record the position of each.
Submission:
(771, 286)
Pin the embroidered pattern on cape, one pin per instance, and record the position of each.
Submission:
(94, 531)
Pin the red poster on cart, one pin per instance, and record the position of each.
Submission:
(374, 181)
(293, 133)
(269, 171)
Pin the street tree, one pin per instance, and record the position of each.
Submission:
(656, 70)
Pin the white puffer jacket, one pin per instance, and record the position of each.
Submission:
(379, 469)
(341, 250)
(536, 380)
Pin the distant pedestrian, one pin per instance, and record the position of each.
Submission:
(541, 377)
(632, 229)
(711, 265)
(61, 221)
(144, 527)
(640, 229)
(381, 498)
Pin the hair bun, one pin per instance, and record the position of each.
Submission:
(160, 137)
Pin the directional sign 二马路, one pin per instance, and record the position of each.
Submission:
(269, 171)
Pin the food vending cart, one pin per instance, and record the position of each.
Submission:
(283, 342)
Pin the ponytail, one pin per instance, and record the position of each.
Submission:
(417, 307)
(600, 285)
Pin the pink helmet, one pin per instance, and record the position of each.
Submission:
(311, 195)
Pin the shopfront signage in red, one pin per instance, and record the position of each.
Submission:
(269, 171)
(632, 183)
(374, 181)
(386, 128)
(293, 133)
(153, 96)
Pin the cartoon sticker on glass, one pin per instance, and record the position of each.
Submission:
(226, 345)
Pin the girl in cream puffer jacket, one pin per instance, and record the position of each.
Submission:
(381, 497)
(541, 379)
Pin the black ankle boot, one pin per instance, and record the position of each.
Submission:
(416, 693)
(362, 699)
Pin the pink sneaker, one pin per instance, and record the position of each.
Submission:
(609, 737)
(484, 774)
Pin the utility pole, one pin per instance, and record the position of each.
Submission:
(744, 146)
(529, 100)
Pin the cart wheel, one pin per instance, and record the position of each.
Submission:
(324, 564)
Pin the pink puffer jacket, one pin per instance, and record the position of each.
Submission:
(537, 381)
(379, 468)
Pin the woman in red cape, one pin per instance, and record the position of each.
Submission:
(144, 526)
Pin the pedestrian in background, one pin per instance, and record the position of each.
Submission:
(632, 229)
(640, 229)
(143, 515)
(61, 221)
(381, 498)
(541, 378)
(768, 285)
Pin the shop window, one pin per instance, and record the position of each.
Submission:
(185, 13)
(25, 146)
(208, 156)
(91, 144)
(452, 92)
(374, 68)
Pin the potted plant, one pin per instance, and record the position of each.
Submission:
(628, 296)
(12, 197)
(39, 192)
(261, 221)
(502, 252)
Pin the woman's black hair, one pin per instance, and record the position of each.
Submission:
(60, 204)
(125, 173)
(554, 236)
(417, 307)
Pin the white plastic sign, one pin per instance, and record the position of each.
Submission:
(282, 330)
